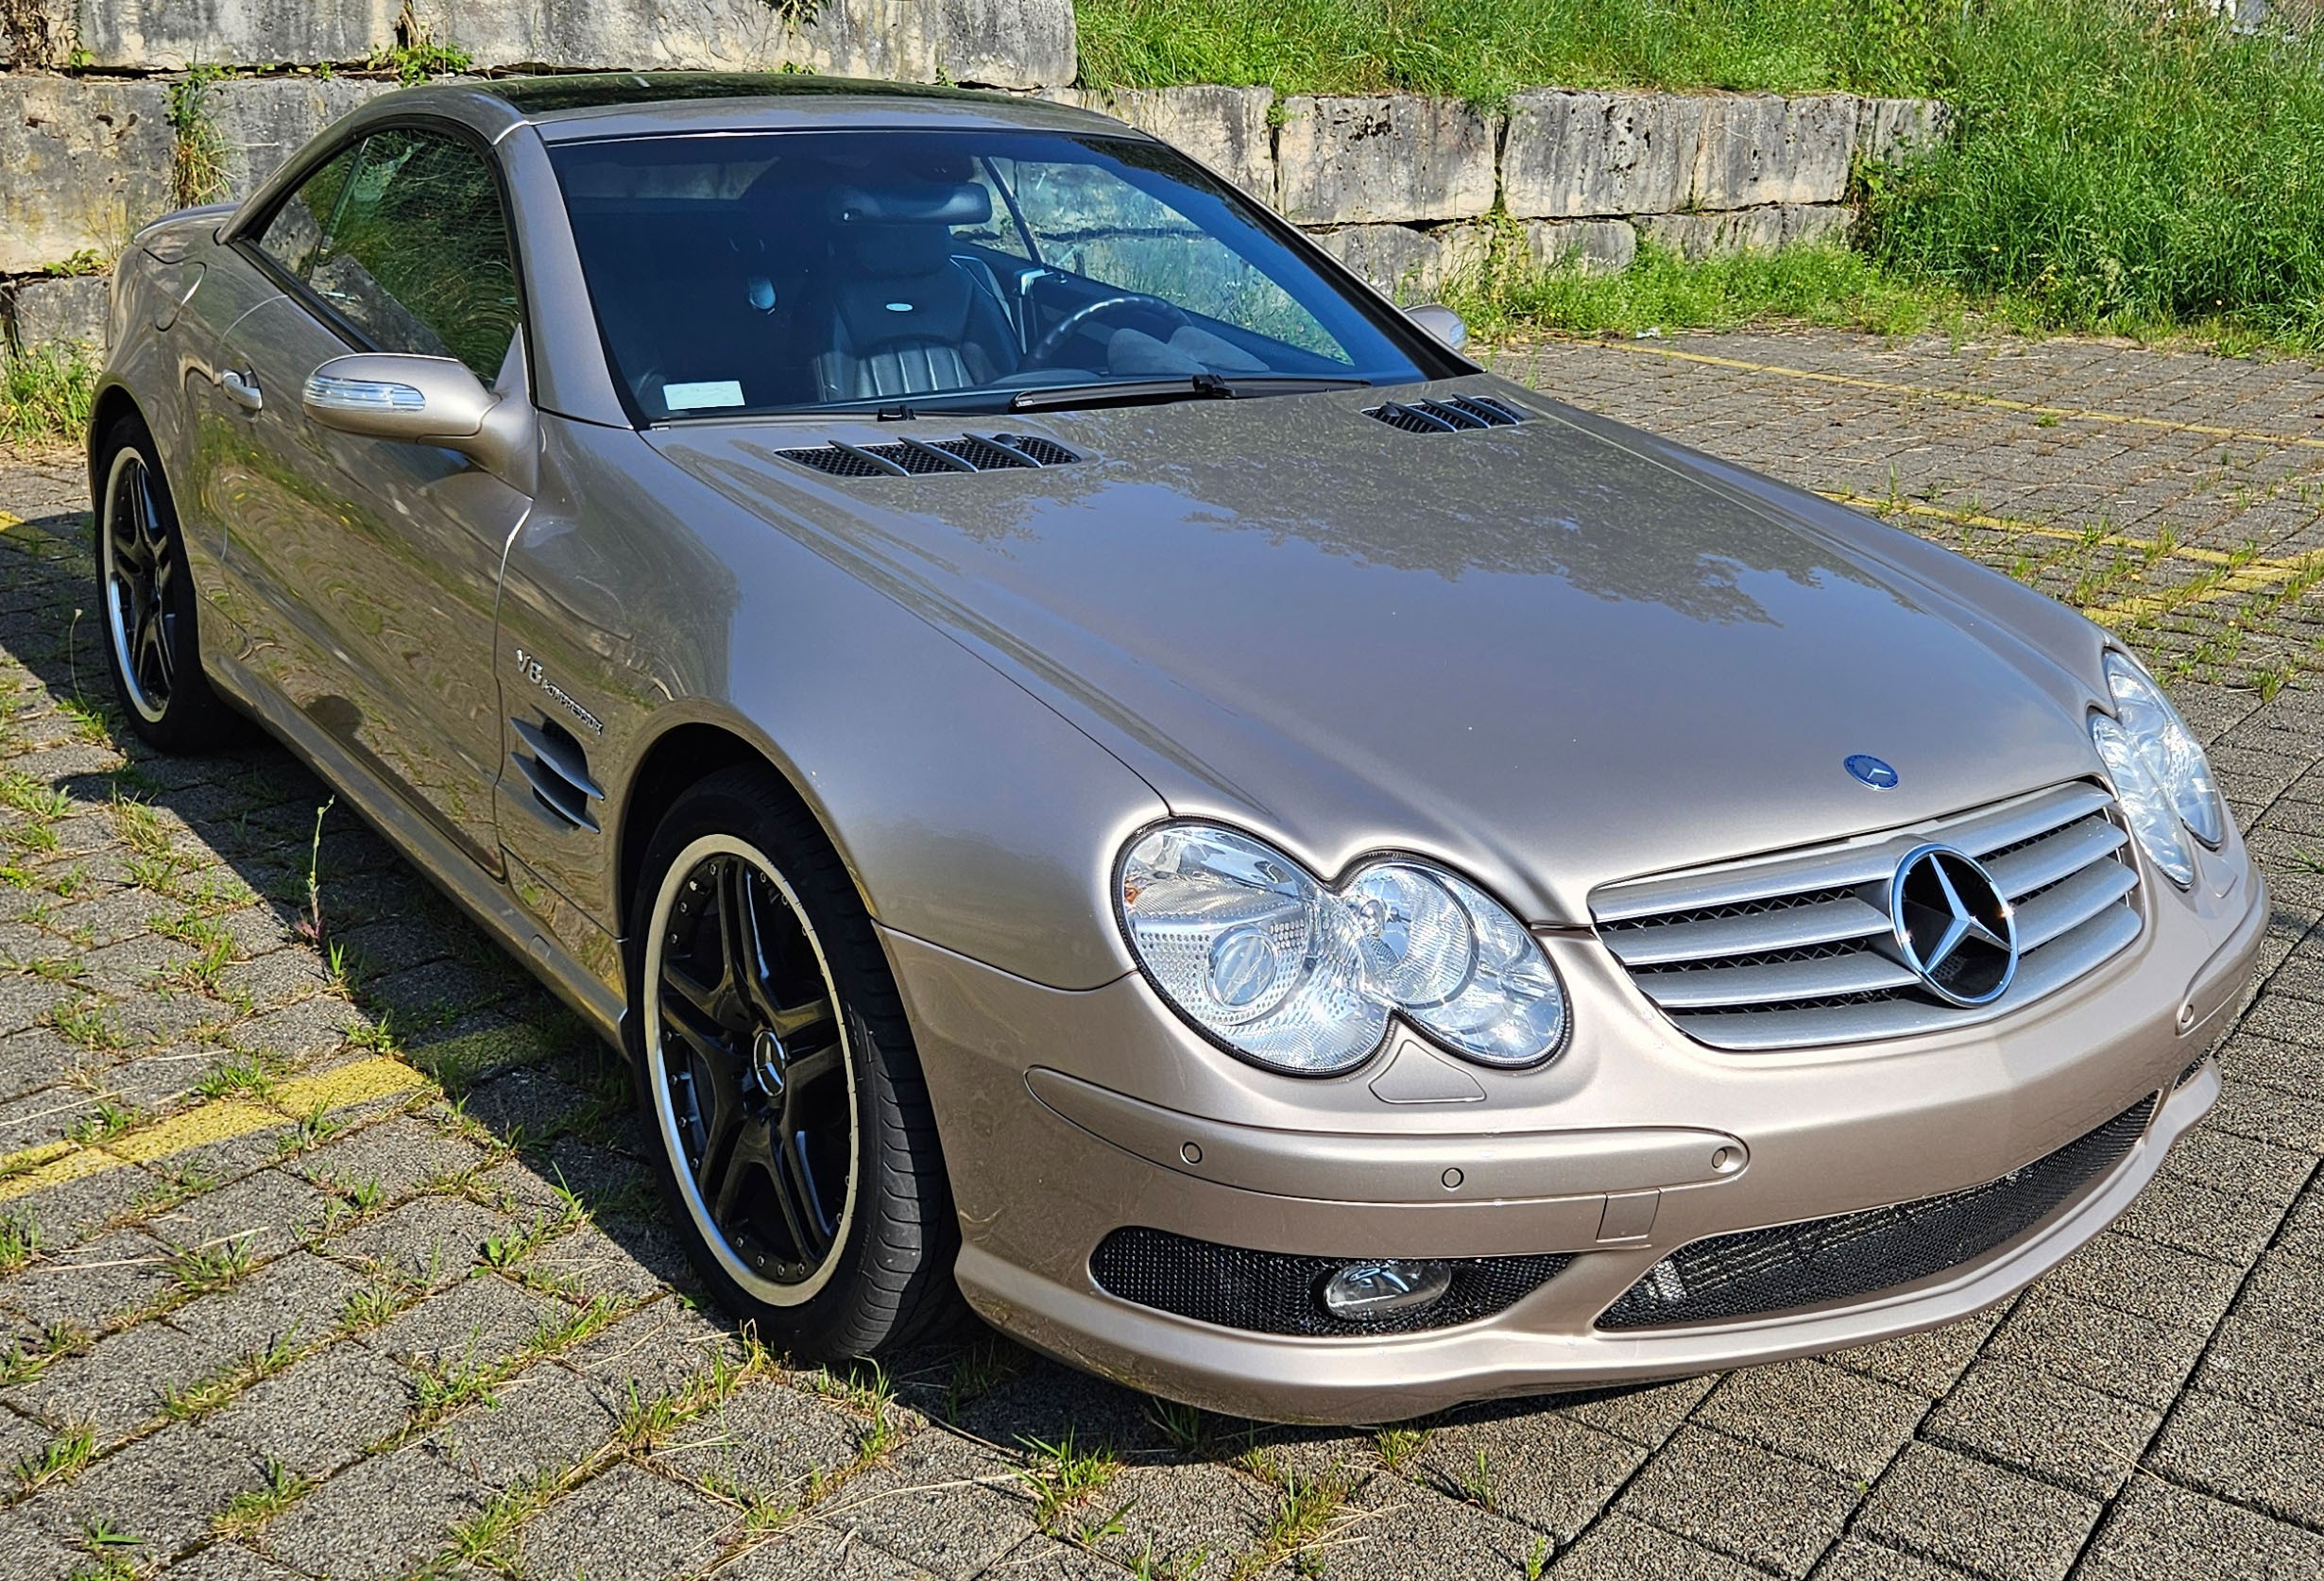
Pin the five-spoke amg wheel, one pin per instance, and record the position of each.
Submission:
(799, 1153)
(146, 596)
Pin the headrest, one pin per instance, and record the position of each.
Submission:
(895, 251)
(920, 203)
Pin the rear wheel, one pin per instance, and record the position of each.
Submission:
(799, 1150)
(145, 595)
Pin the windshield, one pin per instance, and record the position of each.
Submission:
(804, 271)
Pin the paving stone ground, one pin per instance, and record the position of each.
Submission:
(327, 1246)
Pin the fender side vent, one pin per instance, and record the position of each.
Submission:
(1449, 416)
(907, 458)
(554, 763)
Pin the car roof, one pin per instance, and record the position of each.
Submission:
(618, 104)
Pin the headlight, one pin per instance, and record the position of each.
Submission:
(2143, 799)
(1261, 956)
(2160, 775)
(2172, 754)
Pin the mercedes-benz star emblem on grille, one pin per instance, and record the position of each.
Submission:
(1871, 771)
(1953, 927)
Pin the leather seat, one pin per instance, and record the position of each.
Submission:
(906, 316)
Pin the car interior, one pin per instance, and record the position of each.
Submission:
(832, 280)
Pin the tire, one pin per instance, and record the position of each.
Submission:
(145, 601)
(749, 1082)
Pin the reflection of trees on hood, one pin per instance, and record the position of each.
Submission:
(1601, 521)
(1544, 500)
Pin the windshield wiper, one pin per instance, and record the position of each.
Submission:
(1147, 392)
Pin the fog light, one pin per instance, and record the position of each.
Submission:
(1367, 1292)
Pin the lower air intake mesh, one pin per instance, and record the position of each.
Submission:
(1271, 1292)
(1761, 1272)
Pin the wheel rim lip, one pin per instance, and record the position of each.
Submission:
(657, 1074)
(116, 584)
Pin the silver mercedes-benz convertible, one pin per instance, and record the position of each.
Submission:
(1092, 764)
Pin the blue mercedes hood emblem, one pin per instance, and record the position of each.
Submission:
(1871, 771)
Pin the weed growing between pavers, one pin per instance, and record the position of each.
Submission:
(1063, 1477)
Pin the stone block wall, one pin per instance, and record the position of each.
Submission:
(999, 44)
(1407, 189)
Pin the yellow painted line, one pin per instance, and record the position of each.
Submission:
(358, 1082)
(1968, 398)
(2283, 566)
(2244, 575)
(80, 1162)
(7, 521)
(53, 1164)
(219, 1120)
(2253, 578)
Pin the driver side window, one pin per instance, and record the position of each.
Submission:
(405, 237)
(295, 236)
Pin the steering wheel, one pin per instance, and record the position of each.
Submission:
(1066, 327)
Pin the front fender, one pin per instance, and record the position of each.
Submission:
(970, 814)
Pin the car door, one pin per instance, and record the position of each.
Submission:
(374, 566)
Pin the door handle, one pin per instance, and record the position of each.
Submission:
(242, 389)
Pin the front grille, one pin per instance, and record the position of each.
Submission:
(1269, 1292)
(1449, 416)
(1794, 951)
(1761, 1272)
(906, 458)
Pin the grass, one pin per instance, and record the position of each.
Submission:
(206, 1394)
(60, 1459)
(2119, 167)
(44, 396)
(1061, 1476)
(1304, 1507)
(20, 1242)
(200, 1269)
(108, 1120)
(247, 1511)
(1821, 285)
(197, 167)
(1482, 50)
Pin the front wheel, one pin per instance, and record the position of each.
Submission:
(799, 1150)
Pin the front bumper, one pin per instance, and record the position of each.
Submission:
(1068, 1115)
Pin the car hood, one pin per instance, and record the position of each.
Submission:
(1556, 654)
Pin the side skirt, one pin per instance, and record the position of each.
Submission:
(486, 900)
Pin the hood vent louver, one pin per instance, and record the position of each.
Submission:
(904, 458)
(1449, 416)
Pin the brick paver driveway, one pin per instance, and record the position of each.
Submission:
(328, 1249)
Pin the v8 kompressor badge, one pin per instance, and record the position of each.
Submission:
(530, 669)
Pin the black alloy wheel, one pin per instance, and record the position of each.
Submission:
(758, 1084)
(141, 566)
(146, 593)
(799, 1153)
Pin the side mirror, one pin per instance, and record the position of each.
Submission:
(427, 400)
(1441, 322)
